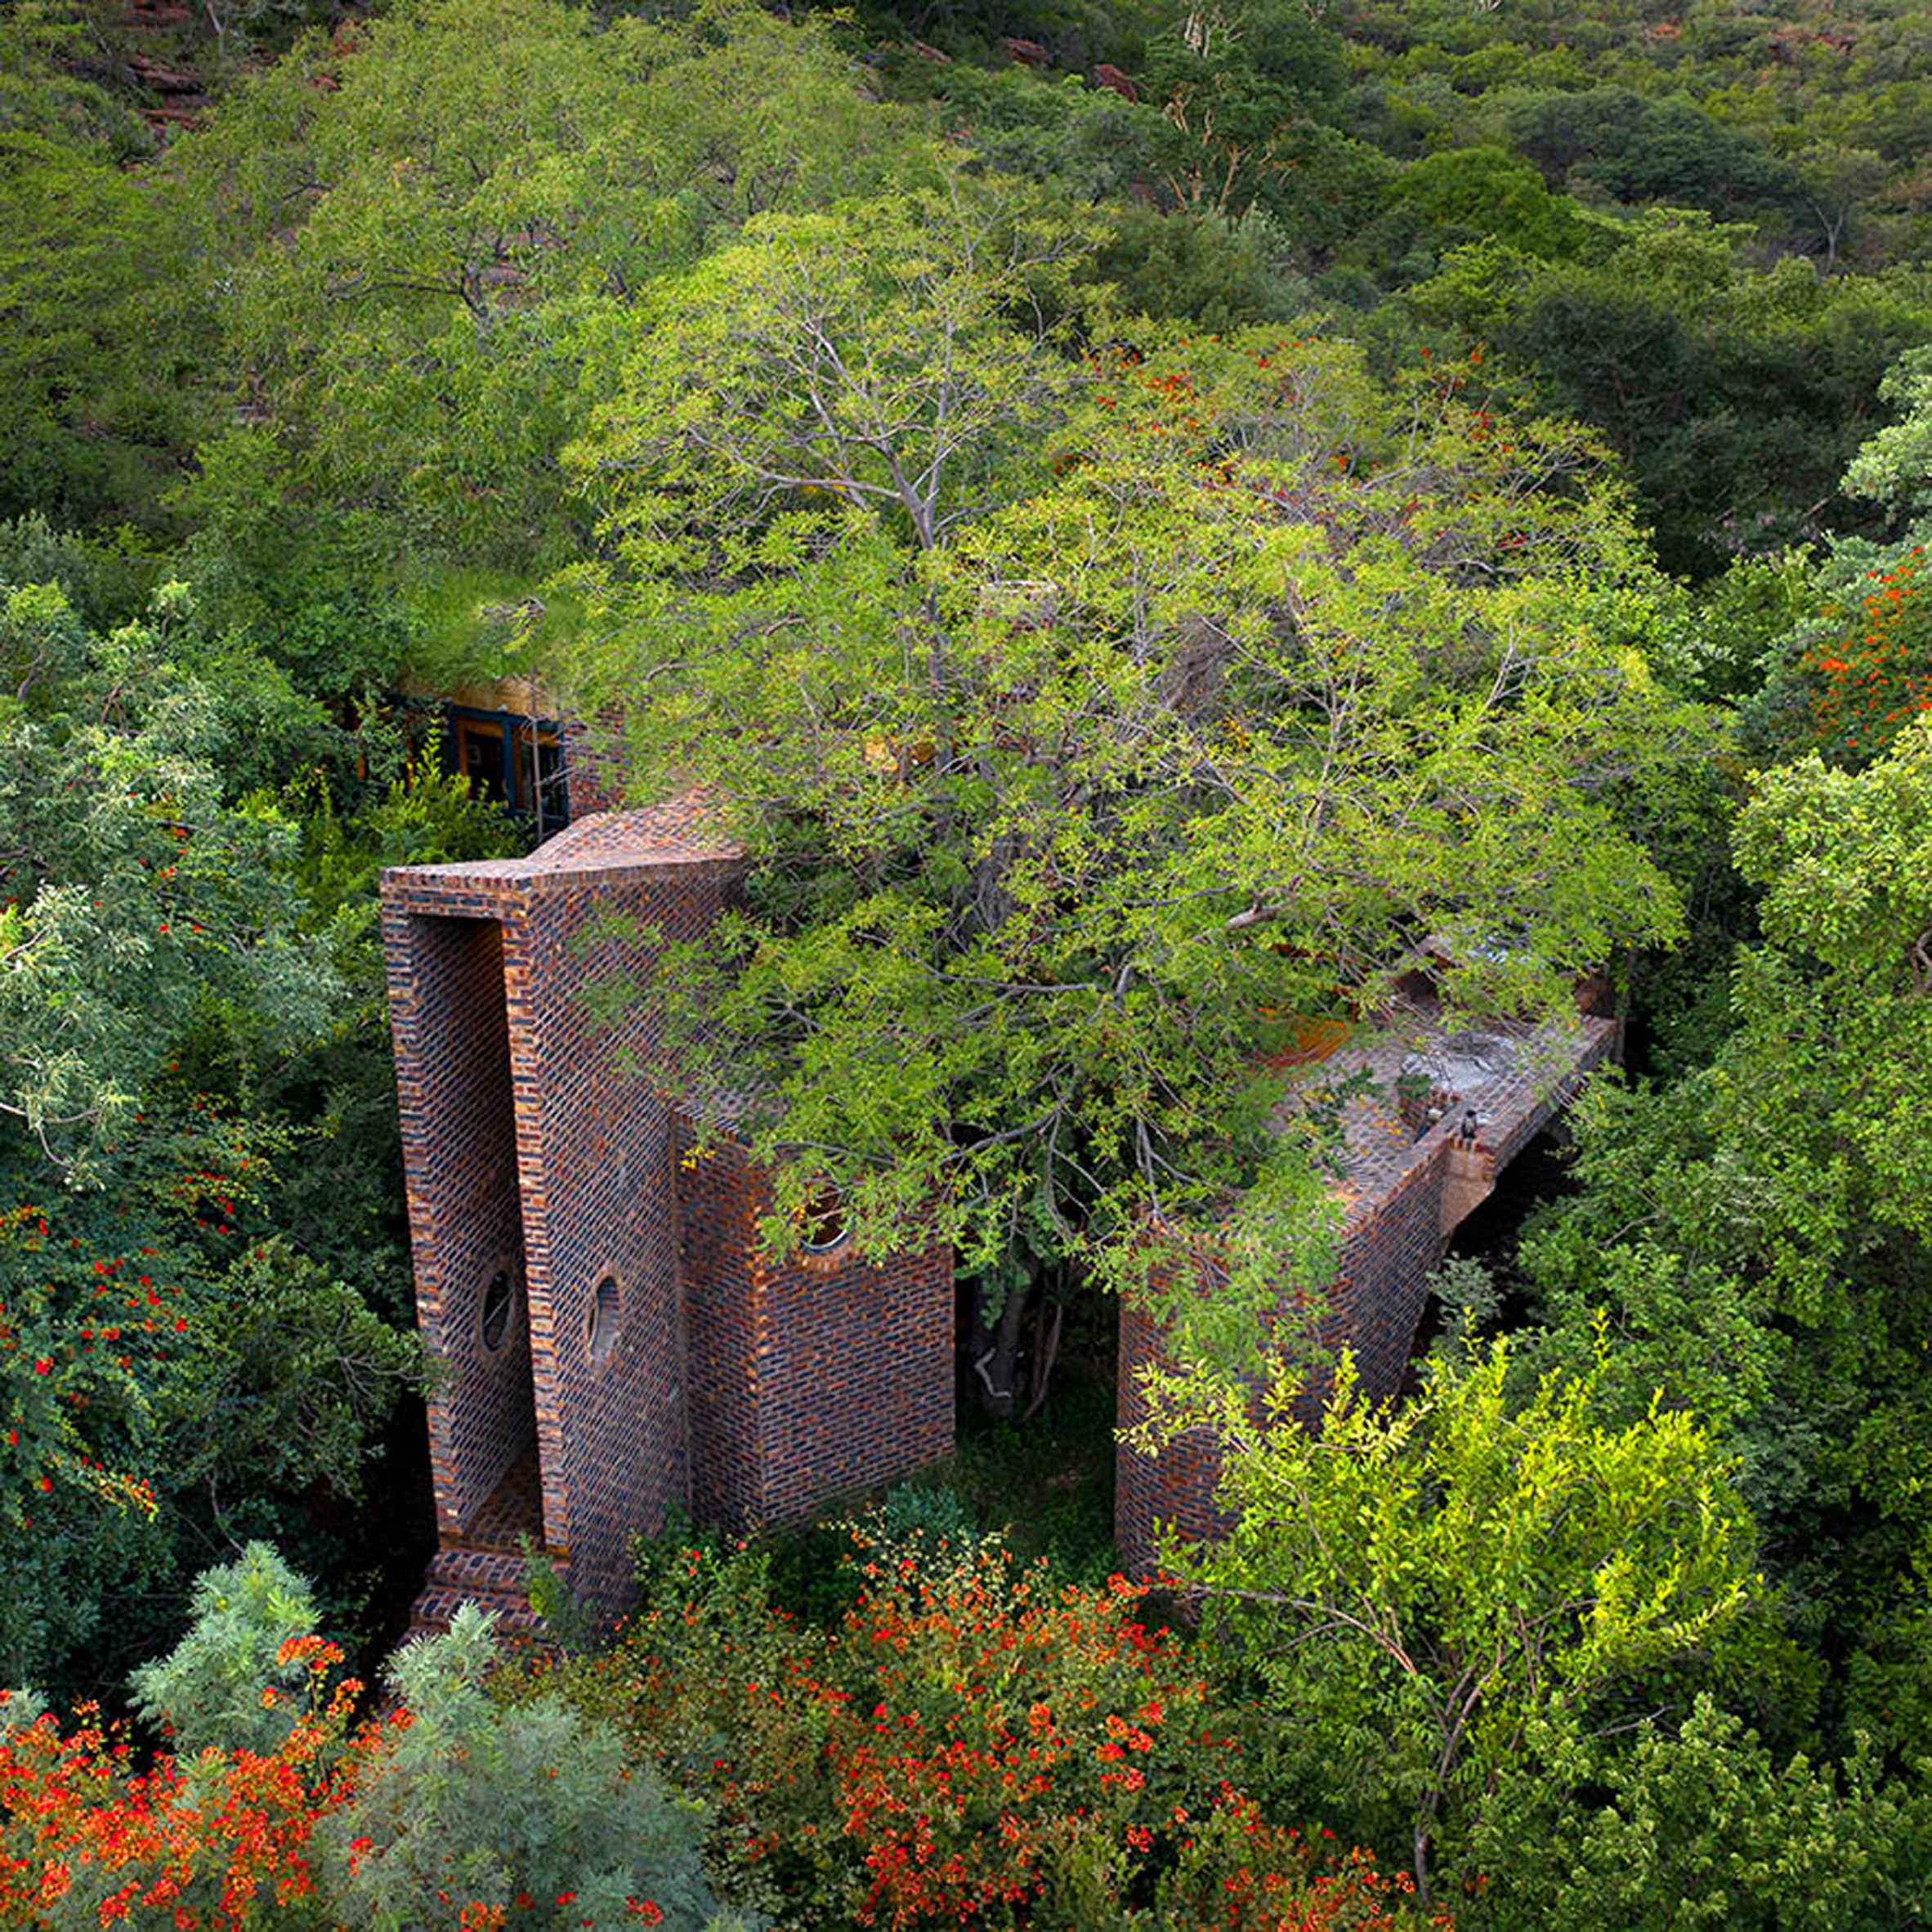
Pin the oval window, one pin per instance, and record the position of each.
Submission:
(499, 1302)
(602, 1336)
(821, 1221)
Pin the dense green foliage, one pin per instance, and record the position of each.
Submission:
(1415, 1592)
(1137, 514)
(1033, 654)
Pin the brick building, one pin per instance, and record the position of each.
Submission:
(615, 1340)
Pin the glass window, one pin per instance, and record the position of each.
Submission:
(602, 1336)
(821, 1222)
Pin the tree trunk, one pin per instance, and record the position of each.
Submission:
(995, 1351)
(1046, 1349)
(1425, 1824)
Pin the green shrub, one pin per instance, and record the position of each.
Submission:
(1701, 1827)
(213, 1689)
(473, 1807)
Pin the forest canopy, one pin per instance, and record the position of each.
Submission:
(1137, 518)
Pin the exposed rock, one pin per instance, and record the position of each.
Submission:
(1029, 53)
(157, 15)
(1107, 75)
(164, 80)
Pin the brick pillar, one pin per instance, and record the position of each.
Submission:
(658, 1356)
(445, 972)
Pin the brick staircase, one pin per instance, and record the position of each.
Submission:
(486, 1566)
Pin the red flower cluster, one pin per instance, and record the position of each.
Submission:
(206, 1845)
(1876, 674)
(975, 1744)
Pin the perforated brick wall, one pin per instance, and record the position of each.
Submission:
(665, 1360)
(460, 1155)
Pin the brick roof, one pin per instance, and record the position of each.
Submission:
(674, 833)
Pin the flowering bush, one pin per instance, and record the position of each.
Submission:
(1871, 672)
(974, 1743)
(140, 1378)
(454, 1812)
(221, 1841)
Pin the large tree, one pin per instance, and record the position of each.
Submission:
(1092, 705)
(1758, 1236)
(96, 318)
(425, 226)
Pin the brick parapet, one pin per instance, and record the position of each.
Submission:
(460, 1163)
(1404, 1194)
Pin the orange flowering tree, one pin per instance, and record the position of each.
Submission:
(1864, 670)
(146, 1362)
(1870, 674)
(222, 1840)
(972, 1743)
(456, 1810)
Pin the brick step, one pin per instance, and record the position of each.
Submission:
(493, 1579)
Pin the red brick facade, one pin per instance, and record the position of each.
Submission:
(809, 1377)
(653, 1357)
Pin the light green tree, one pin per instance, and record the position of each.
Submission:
(423, 244)
(1091, 716)
(225, 1686)
(1420, 1591)
(1756, 1235)
(1893, 468)
(138, 898)
(527, 1808)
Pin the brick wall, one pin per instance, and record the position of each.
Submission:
(810, 1377)
(723, 1276)
(594, 1161)
(1175, 1487)
(1394, 1238)
(459, 1159)
(753, 1391)
(856, 1377)
(594, 765)
(1382, 1275)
